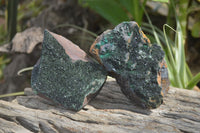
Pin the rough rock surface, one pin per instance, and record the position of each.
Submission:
(109, 112)
(65, 74)
(25, 42)
(137, 65)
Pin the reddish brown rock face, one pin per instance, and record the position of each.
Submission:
(138, 66)
(72, 50)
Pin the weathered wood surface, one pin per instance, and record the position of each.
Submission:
(109, 112)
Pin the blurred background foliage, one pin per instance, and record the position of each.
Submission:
(117, 11)
(13, 15)
(181, 15)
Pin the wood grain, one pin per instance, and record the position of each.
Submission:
(109, 112)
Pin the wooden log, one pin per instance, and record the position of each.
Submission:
(109, 112)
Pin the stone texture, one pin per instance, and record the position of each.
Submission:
(65, 74)
(109, 112)
(25, 42)
(137, 65)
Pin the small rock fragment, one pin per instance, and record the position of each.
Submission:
(25, 42)
(29, 92)
(65, 74)
(138, 66)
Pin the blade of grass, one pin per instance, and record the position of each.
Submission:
(24, 70)
(136, 5)
(159, 32)
(154, 32)
(76, 27)
(133, 7)
(146, 29)
(171, 57)
(169, 47)
(12, 6)
(176, 79)
(109, 9)
(179, 72)
(141, 12)
(187, 76)
(193, 81)
(181, 56)
(128, 4)
(189, 73)
(12, 94)
(161, 37)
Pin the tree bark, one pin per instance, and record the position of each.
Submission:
(109, 112)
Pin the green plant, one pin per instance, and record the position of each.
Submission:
(3, 34)
(116, 11)
(3, 62)
(11, 18)
(179, 72)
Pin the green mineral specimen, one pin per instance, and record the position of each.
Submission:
(65, 74)
(138, 66)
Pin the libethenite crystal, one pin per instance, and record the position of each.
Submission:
(138, 66)
(65, 74)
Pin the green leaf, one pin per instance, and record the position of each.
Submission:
(76, 27)
(153, 29)
(128, 4)
(180, 60)
(159, 33)
(169, 47)
(109, 9)
(134, 8)
(193, 81)
(12, 18)
(196, 30)
(188, 72)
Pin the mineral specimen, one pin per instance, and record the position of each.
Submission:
(138, 66)
(65, 74)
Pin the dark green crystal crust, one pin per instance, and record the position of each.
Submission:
(66, 83)
(129, 57)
